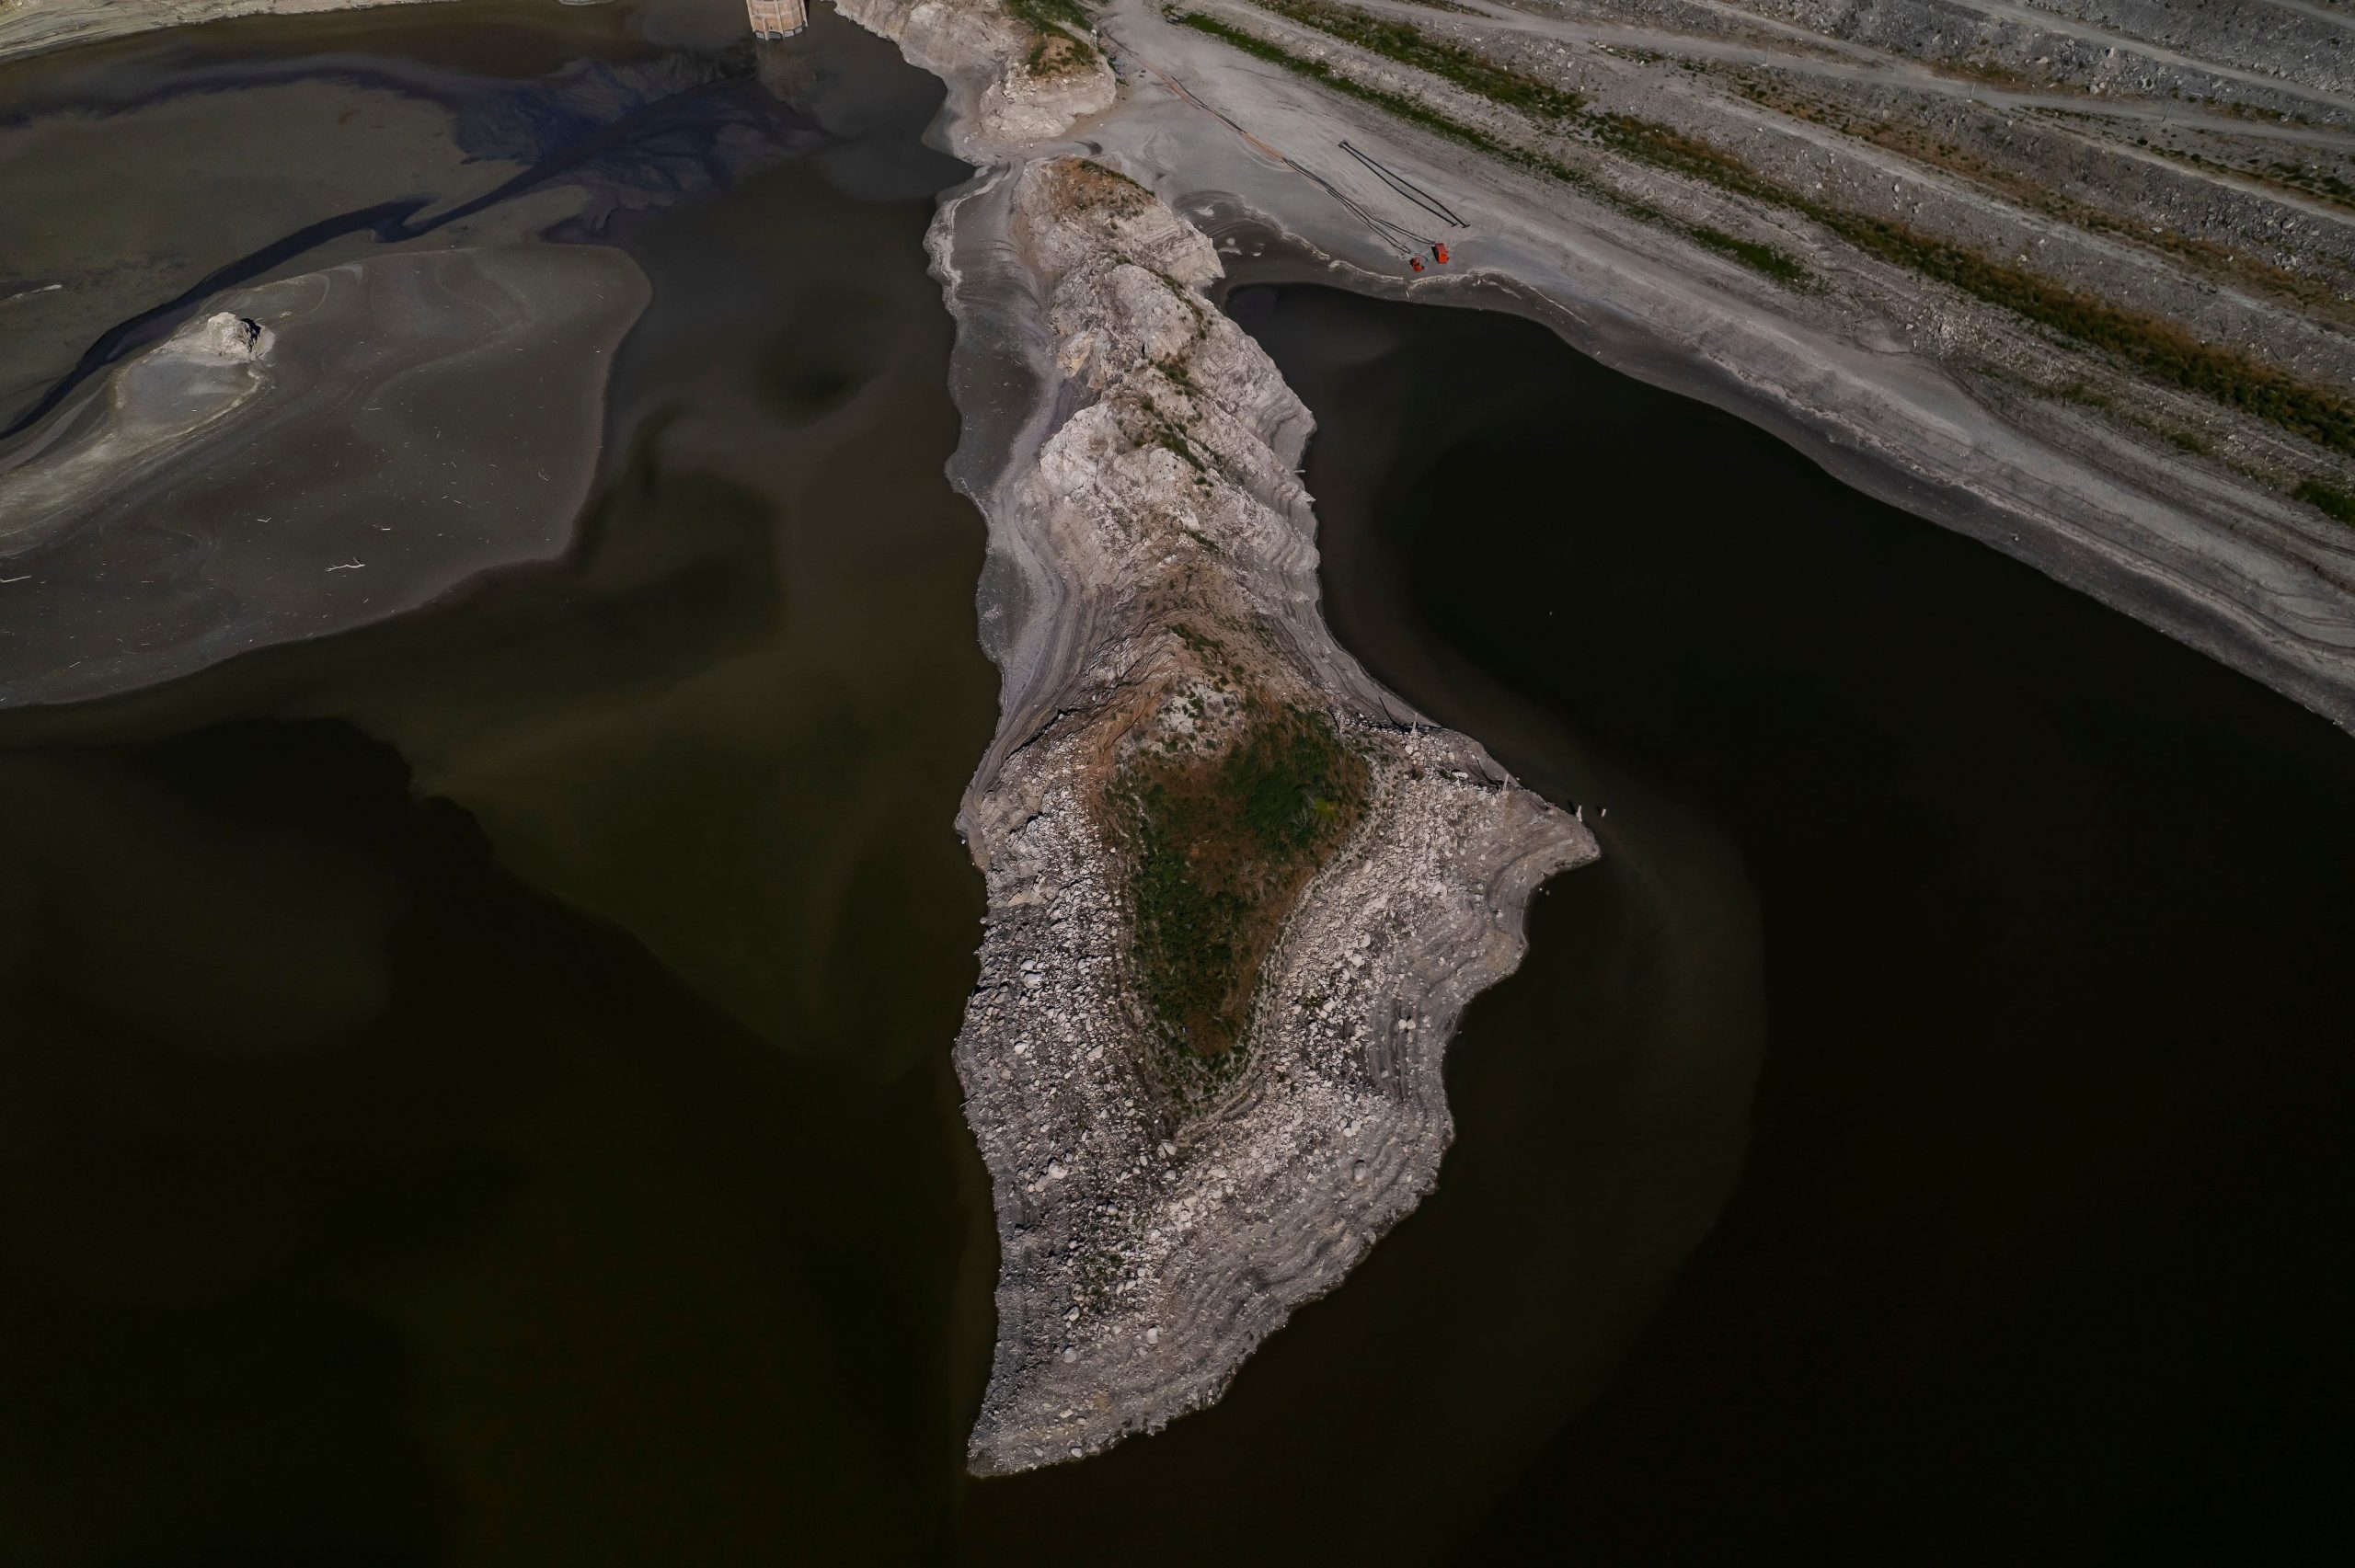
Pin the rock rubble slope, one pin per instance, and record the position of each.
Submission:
(1238, 895)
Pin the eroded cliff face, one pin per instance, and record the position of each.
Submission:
(1238, 895)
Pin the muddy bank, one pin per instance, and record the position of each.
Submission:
(409, 422)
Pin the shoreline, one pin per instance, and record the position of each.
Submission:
(2147, 534)
(25, 30)
(2182, 612)
(239, 487)
(40, 26)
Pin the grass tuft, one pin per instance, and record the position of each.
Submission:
(1752, 254)
(2329, 499)
(1064, 27)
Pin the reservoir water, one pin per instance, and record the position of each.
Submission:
(475, 1089)
(2037, 1253)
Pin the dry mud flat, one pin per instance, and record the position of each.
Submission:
(383, 431)
(121, 203)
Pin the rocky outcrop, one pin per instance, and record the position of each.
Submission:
(1238, 895)
(208, 371)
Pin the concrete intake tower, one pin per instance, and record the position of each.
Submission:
(778, 18)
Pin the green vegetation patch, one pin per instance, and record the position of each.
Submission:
(2318, 181)
(1085, 185)
(1409, 45)
(1163, 431)
(1113, 180)
(1064, 27)
(1222, 848)
(1044, 14)
(1751, 254)
(2329, 499)
(2158, 348)
(1405, 109)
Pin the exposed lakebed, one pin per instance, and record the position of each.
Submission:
(476, 1087)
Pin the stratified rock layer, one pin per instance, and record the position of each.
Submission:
(1152, 1234)
(1152, 589)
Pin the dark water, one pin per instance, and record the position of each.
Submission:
(475, 1090)
(2040, 1250)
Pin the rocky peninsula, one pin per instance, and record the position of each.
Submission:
(1940, 280)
